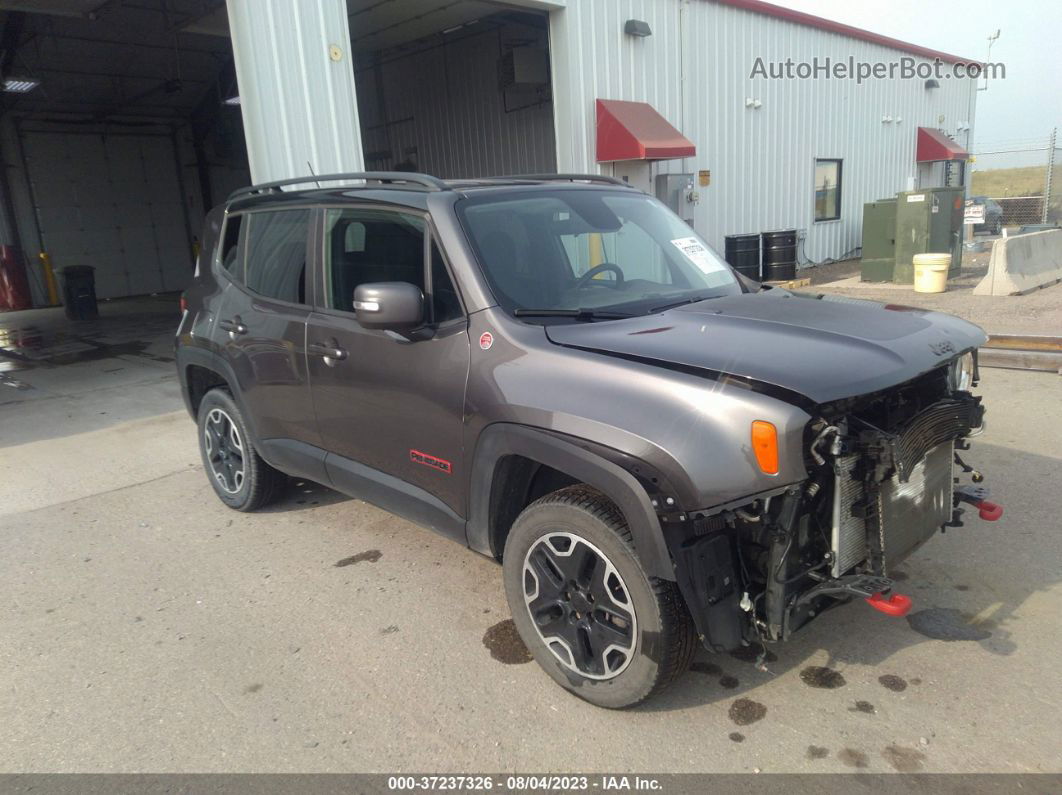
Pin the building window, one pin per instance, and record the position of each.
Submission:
(827, 190)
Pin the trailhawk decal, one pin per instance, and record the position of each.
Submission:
(441, 464)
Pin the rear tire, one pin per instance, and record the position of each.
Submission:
(570, 571)
(241, 479)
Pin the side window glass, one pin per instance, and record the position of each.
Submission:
(230, 244)
(365, 246)
(276, 254)
(444, 301)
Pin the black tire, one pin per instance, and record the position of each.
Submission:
(664, 640)
(241, 479)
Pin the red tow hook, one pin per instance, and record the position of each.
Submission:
(896, 605)
(989, 511)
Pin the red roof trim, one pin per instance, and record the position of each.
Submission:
(932, 145)
(800, 18)
(636, 131)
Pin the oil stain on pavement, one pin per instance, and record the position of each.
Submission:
(817, 752)
(371, 556)
(945, 623)
(745, 711)
(825, 678)
(897, 684)
(905, 760)
(505, 645)
(853, 758)
(863, 706)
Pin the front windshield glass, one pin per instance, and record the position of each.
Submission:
(590, 250)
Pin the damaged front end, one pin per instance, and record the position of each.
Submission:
(881, 482)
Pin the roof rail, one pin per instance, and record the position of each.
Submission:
(424, 180)
(575, 178)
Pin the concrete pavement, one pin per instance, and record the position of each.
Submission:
(149, 628)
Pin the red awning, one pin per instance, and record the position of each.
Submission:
(635, 131)
(935, 145)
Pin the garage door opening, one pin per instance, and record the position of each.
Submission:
(119, 140)
(459, 91)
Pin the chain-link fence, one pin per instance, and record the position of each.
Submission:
(1022, 180)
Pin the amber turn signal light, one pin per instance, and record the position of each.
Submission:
(765, 446)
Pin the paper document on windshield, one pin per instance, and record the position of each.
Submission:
(697, 254)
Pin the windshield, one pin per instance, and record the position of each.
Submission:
(590, 250)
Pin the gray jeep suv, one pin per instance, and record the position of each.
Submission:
(558, 373)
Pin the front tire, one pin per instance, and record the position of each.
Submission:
(584, 605)
(241, 479)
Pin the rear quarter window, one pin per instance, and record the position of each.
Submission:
(276, 254)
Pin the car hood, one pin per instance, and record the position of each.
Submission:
(821, 347)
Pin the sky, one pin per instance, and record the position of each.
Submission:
(1025, 105)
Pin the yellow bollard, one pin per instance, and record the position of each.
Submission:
(597, 252)
(49, 279)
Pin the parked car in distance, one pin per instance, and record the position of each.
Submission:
(993, 223)
(557, 372)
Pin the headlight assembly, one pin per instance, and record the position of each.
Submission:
(961, 373)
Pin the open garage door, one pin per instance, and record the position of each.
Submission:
(113, 201)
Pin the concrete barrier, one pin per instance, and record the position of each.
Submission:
(1023, 263)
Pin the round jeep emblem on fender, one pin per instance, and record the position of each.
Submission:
(486, 339)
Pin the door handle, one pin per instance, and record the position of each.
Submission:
(234, 326)
(327, 350)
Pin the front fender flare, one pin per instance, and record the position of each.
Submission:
(564, 454)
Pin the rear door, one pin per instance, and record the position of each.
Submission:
(262, 324)
(390, 411)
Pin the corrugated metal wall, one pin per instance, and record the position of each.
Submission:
(296, 91)
(695, 69)
(441, 108)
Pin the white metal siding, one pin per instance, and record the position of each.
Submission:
(112, 201)
(298, 104)
(446, 103)
(695, 70)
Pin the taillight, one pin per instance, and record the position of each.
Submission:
(184, 304)
(765, 446)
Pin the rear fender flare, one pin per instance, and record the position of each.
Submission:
(563, 454)
(187, 356)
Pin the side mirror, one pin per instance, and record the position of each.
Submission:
(391, 306)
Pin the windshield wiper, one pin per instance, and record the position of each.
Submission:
(578, 314)
(695, 299)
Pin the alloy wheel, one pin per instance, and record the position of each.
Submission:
(580, 605)
(224, 450)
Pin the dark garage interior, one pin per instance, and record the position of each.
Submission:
(120, 121)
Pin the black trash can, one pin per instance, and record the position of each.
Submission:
(779, 255)
(79, 292)
(743, 254)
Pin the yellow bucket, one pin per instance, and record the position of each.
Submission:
(931, 272)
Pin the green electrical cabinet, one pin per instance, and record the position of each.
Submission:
(879, 241)
(928, 221)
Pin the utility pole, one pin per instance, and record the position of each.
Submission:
(1052, 142)
(991, 41)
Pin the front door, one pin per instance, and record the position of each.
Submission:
(389, 408)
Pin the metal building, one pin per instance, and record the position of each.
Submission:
(140, 118)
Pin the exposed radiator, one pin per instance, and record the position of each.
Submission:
(849, 542)
(913, 508)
